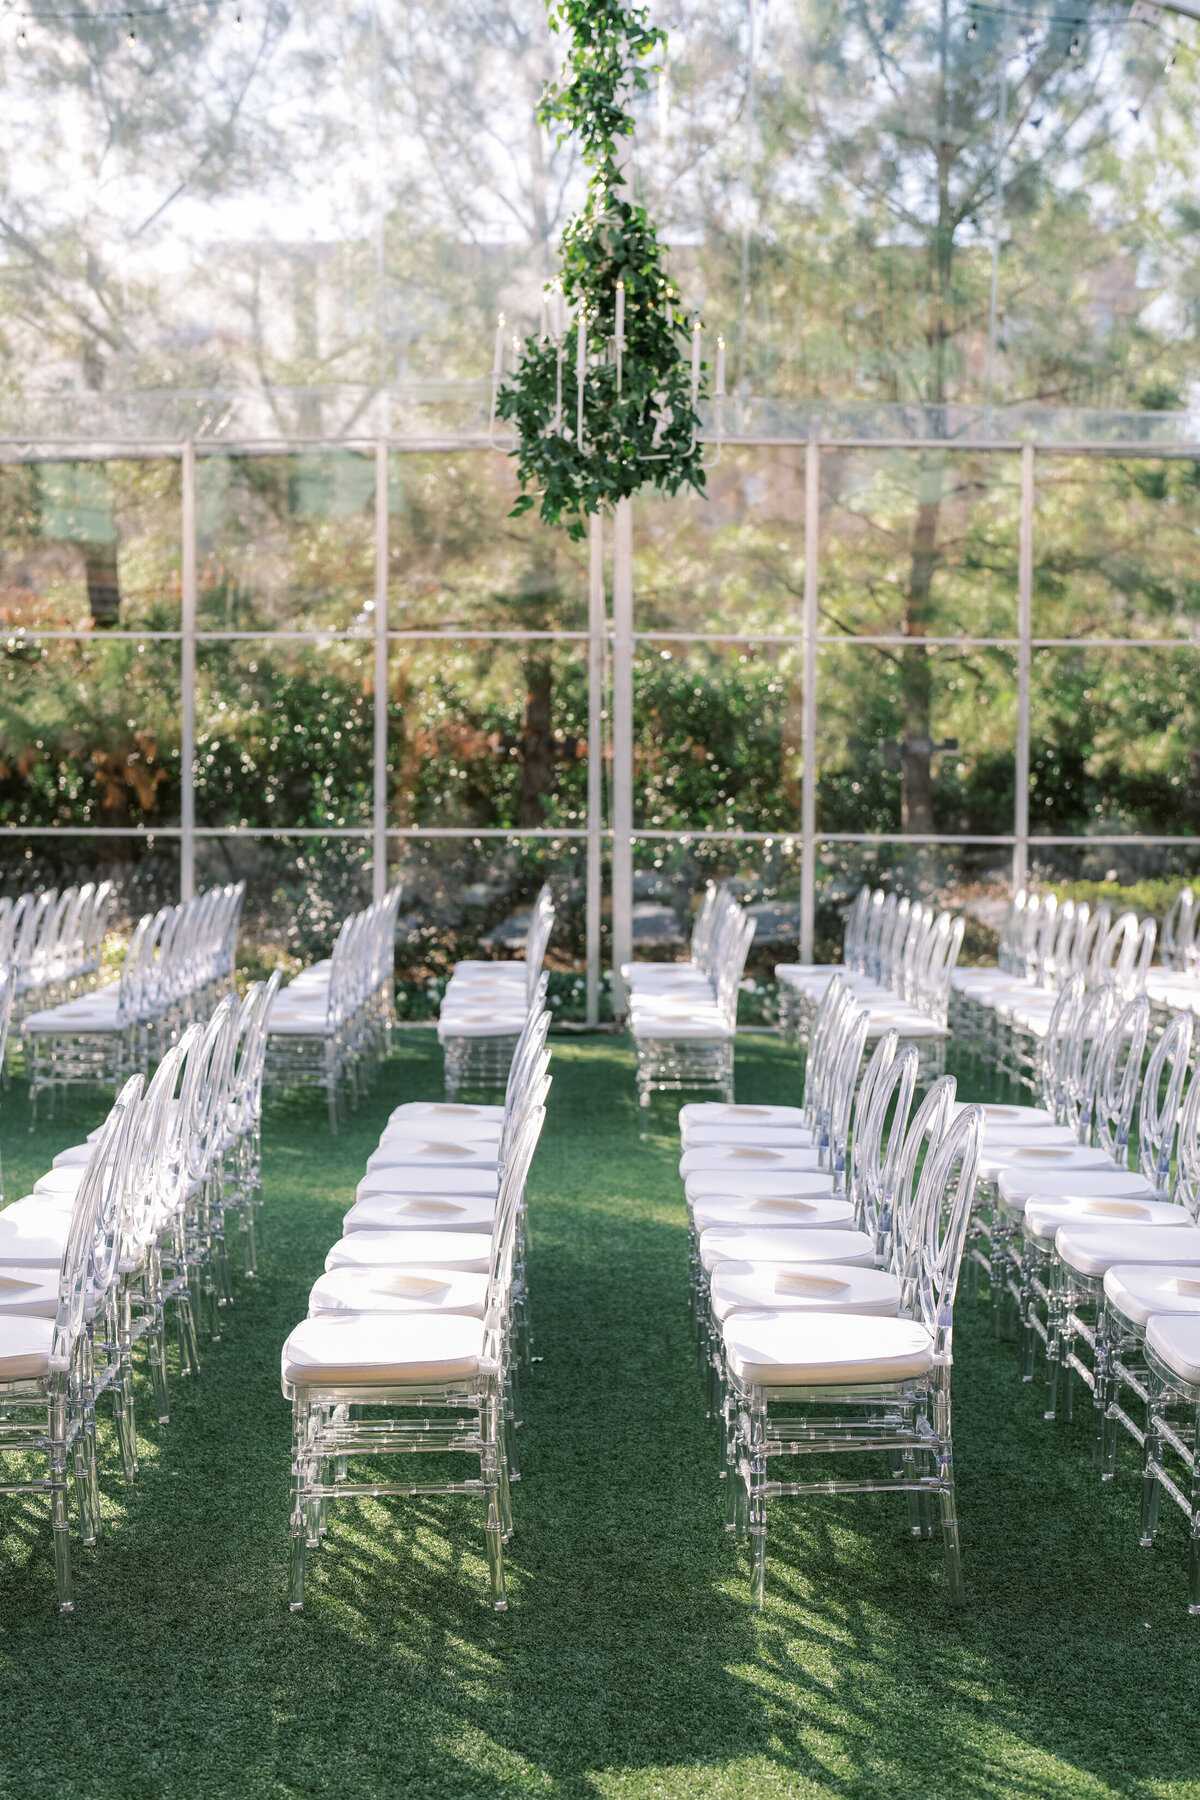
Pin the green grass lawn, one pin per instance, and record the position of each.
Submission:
(630, 1664)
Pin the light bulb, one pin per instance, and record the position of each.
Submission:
(972, 31)
(22, 40)
(131, 37)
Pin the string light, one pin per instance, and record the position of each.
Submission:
(1074, 46)
(22, 40)
(972, 31)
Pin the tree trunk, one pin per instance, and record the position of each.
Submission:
(536, 743)
(103, 584)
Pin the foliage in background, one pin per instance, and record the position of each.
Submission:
(585, 444)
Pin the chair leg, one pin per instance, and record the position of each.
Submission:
(60, 1518)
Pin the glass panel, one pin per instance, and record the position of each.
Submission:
(716, 738)
(1116, 548)
(298, 892)
(89, 733)
(456, 558)
(284, 734)
(471, 897)
(90, 545)
(286, 542)
(974, 877)
(915, 740)
(1115, 742)
(487, 735)
(732, 559)
(919, 542)
(1144, 876)
(143, 870)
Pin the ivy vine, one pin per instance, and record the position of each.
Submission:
(634, 389)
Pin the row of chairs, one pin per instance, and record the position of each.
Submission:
(178, 964)
(485, 1006)
(416, 1327)
(1097, 1245)
(122, 1231)
(824, 1264)
(54, 940)
(899, 957)
(331, 1026)
(1000, 1014)
(683, 1016)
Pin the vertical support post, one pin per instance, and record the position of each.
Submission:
(379, 770)
(622, 711)
(597, 625)
(187, 676)
(808, 700)
(1020, 862)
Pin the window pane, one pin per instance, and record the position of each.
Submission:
(919, 542)
(457, 559)
(286, 542)
(915, 740)
(89, 733)
(284, 734)
(298, 891)
(717, 738)
(143, 870)
(487, 735)
(1116, 548)
(732, 559)
(90, 545)
(1115, 741)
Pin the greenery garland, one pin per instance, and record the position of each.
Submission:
(639, 385)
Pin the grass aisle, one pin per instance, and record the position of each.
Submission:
(630, 1665)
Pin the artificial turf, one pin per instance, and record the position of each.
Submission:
(630, 1664)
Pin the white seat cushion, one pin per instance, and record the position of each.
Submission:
(32, 1292)
(777, 1137)
(766, 1210)
(1093, 1249)
(421, 1212)
(60, 1183)
(698, 1030)
(33, 1234)
(497, 1026)
(473, 1132)
(423, 1152)
(456, 1183)
(798, 1183)
(741, 1159)
(720, 1112)
(382, 1350)
(74, 1157)
(414, 1290)
(1043, 1217)
(468, 1250)
(997, 1116)
(25, 1346)
(802, 1287)
(1138, 1290)
(737, 1243)
(441, 1113)
(1175, 1337)
(795, 1349)
(1018, 1188)
(1035, 1159)
(300, 1025)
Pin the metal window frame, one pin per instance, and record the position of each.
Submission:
(611, 645)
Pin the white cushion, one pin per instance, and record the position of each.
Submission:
(25, 1346)
(746, 1159)
(421, 1212)
(431, 1153)
(443, 1112)
(452, 1182)
(1176, 1339)
(497, 1026)
(33, 1234)
(738, 1243)
(1017, 1188)
(467, 1250)
(1035, 1159)
(721, 1112)
(60, 1183)
(801, 1183)
(766, 1210)
(405, 1290)
(382, 1350)
(795, 1349)
(75, 1156)
(1043, 1217)
(1093, 1249)
(1138, 1290)
(697, 1030)
(997, 1116)
(475, 1132)
(300, 1025)
(708, 1137)
(30, 1291)
(802, 1287)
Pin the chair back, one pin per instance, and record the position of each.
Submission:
(1177, 928)
(1162, 1090)
(1053, 1053)
(942, 1210)
(1119, 1070)
(925, 1129)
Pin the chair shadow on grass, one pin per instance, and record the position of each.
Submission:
(630, 1661)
